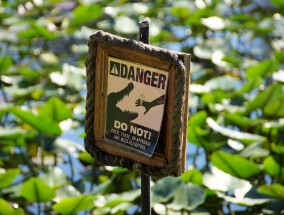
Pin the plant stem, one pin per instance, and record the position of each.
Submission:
(230, 209)
(280, 168)
(55, 159)
(41, 151)
(5, 98)
(219, 212)
(38, 208)
(71, 167)
(28, 161)
(195, 155)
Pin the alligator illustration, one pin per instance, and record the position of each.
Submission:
(148, 105)
(114, 112)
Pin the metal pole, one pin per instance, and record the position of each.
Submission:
(144, 32)
(145, 195)
(145, 180)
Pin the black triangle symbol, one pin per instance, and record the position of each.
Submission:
(114, 70)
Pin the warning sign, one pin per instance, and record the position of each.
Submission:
(135, 104)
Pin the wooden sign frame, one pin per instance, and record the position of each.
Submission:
(169, 157)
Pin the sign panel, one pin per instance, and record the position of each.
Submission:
(128, 123)
(135, 104)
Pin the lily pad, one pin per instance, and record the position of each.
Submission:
(73, 205)
(36, 190)
(8, 176)
(188, 197)
(244, 201)
(165, 189)
(273, 190)
(233, 133)
(221, 181)
(235, 165)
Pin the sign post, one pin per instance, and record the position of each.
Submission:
(137, 106)
(145, 180)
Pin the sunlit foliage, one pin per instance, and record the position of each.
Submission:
(235, 159)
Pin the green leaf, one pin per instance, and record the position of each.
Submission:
(214, 23)
(243, 136)
(74, 205)
(202, 52)
(70, 76)
(7, 209)
(65, 192)
(120, 208)
(8, 176)
(5, 64)
(244, 201)
(125, 25)
(187, 196)
(198, 119)
(63, 145)
(55, 109)
(194, 131)
(102, 187)
(163, 209)
(35, 190)
(264, 97)
(255, 150)
(279, 3)
(180, 11)
(279, 149)
(197, 15)
(278, 76)
(239, 120)
(14, 136)
(11, 133)
(279, 55)
(27, 72)
(234, 164)
(250, 85)
(241, 17)
(85, 157)
(49, 58)
(197, 135)
(98, 210)
(36, 30)
(42, 31)
(54, 177)
(262, 69)
(113, 200)
(274, 190)
(14, 191)
(275, 107)
(203, 138)
(40, 123)
(221, 181)
(225, 83)
(84, 14)
(164, 189)
(26, 92)
(216, 97)
(116, 170)
(272, 167)
(232, 59)
(193, 175)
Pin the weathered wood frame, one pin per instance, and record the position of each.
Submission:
(158, 159)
